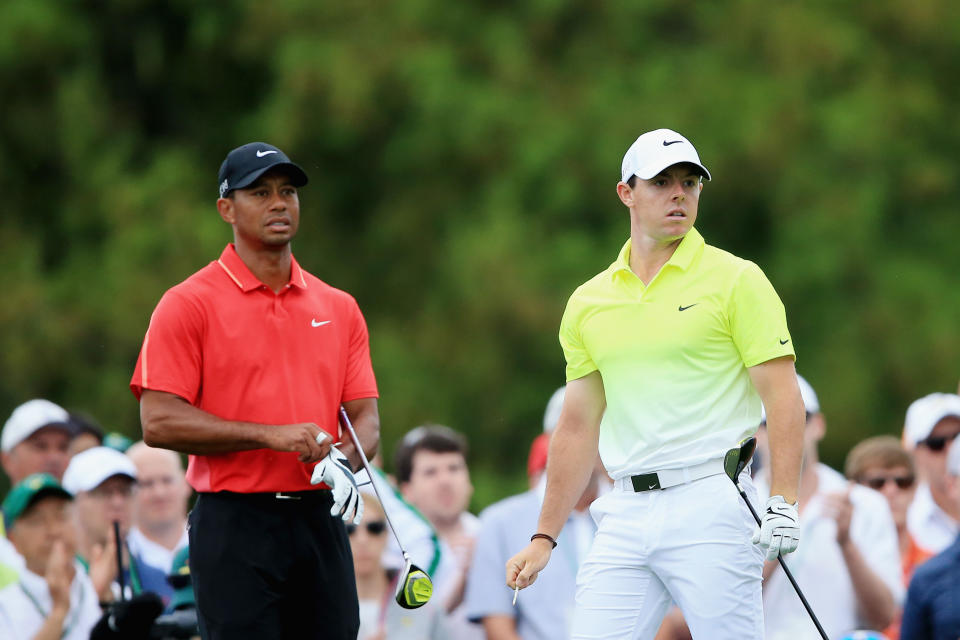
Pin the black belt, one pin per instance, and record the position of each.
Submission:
(314, 495)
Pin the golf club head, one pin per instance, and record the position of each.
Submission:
(414, 587)
(736, 459)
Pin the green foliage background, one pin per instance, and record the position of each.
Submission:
(463, 158)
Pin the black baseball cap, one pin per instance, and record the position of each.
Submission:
(244, 165)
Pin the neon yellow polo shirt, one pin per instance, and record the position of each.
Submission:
(674, 354)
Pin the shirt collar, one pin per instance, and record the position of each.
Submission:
(235, 268)
(690, 247)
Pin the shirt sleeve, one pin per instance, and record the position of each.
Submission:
(171, 358)
(487, 594)
(916, 624)
(579, 362)
(359, 381)
(758, 321)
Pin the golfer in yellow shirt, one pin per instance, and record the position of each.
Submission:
(670, 352)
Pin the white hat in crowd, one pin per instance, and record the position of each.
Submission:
(924, 414)
(809, 396)
(552, 415)
(29, 418)
(88, 469)
(654, 151)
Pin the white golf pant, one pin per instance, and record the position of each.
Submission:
(688, 544)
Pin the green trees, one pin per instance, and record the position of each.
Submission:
(462, 160)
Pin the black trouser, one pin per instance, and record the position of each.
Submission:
(266, 568)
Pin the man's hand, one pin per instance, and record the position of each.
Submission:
(523, 568)
(59, 575)
(779, 528)
(305, 438)
(335, 471)
(103, 567)
(839, 507)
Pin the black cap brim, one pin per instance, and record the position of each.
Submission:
(298, 177)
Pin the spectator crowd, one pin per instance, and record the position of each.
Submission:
(95, 536)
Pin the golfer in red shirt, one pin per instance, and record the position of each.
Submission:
(244, 367)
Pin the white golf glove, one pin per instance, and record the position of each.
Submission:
(335, 471)
(779, 528)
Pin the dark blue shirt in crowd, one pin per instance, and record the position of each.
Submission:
(932, 611)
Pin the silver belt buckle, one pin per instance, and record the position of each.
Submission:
(279, 495)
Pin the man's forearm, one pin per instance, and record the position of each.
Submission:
(873, 597)
(365, 418)
(52, 628)
(500, 627)
(570, 461)
(172, 423)
(785, 435)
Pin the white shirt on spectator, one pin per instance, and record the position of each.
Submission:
(932, 529)
(153, 553)
(820, 570)
(25, 605)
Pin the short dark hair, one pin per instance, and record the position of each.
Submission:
(429, 437)
(632, 182)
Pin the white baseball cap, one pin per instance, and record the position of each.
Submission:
(552, 415)
(29, 418)
(88, 469)
(924, 414)
(654, 151)
(807, 394)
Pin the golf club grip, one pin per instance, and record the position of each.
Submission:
(783, 565)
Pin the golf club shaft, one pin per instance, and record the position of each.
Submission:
(366, 465)
(120, 580)
(783, 565)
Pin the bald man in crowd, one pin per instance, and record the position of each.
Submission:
(160, 505)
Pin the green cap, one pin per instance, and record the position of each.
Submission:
(180, 579)
(117, 441)
(27, 492)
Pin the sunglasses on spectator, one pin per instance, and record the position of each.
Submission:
(375, 528)
(938, 443)
(879, 482)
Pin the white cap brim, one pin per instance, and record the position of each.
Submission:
(89, 469)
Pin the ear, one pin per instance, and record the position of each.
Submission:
(226, 208)
(817, 425)
(625, 193)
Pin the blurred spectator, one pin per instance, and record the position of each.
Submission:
(160, 506)
(180, 618)
(418, 535)
(931, 611)
(36, 439)
(53, 597)
(431, 467)
(931, 425)
(543, 611)
(381, 617)
(87, 433)
(103, 481)
(117, 441)
(882, 464)
(847, 563)
(537, 460)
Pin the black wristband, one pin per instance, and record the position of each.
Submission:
(545, 537)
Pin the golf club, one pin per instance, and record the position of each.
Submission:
(734, 462)
(414, 586)
(116, 538)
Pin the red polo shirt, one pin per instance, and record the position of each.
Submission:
(226, 343)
